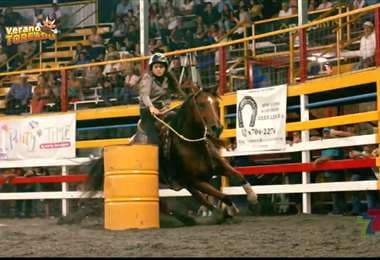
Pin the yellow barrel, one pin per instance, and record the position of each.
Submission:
(131, 187)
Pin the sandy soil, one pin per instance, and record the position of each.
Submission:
(295, 235)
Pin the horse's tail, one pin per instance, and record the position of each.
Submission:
(95, 178)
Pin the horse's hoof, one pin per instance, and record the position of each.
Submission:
(252, 197)
(231, 210)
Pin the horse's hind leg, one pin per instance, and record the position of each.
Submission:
(229, 171)
(211, 190)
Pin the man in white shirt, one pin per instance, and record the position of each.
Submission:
(285, 10)
(367, 47)
(325, 4)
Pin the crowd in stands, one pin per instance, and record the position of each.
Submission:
(173, 25)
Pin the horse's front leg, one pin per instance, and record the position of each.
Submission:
(228, 171)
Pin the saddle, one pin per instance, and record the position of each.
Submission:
(167, 171)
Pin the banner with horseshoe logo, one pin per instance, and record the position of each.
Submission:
(261, 119)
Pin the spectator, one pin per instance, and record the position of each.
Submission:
(82, 58)
(3, 60)
(222, 3)
(200, 32)
(121, 29)
(227, 19)
(177, 37)
(97, 49)
(256, 13)
(211, 16)
(38, 16)
(243, 17)
(271, 8)
(359, 4)
(52, 84)
(41, 95)
(363, 174)
(325, 4)
(169, 11)
(114, 66)
(312, 5)
(367, 47)
(75, 83)
(339, 202)
(123, 7)
(285, 10)
(78, 49)
(56, 14)
(12, 18)
(187, 7)
(128, 46)
(18, 97)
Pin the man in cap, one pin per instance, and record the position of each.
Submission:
(367, 47)
(19, 96)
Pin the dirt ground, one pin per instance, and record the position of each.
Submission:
(295, 235)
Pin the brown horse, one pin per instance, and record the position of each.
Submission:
(190, 151)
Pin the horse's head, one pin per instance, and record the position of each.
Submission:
(205, 109)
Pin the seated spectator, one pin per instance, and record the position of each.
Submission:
(325, 4)
(56, 14)
(107, 91)
(312, 5)
(367, 47)
(75, 83)
(256, 13)
(97, 49)
(117, 81)
(114, 66)
(169, 11)
(78, 49)
(53, 85)
(243, 17)
(361, 175)
(187, 7)
(3, 60)
(200, 32)
(358, 4)
(42, 95)
(38, 16)
(123, 7)
(285, 10)
(211, 16)
(128, 46)
(271, 8)
(228, 20)
(339, 202)
(121, 29)
(129, 93)
(12, 18)
(92, 78)
(82, 58)
(111, 51)
(178, 39)
(17, 99)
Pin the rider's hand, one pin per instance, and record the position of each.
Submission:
(154, 110)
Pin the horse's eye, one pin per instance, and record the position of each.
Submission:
(202, 106)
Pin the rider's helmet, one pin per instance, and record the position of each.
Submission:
(158, 58)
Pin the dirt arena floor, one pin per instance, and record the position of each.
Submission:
(294, 235)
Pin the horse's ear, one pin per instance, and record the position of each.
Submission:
(195, 88)
(213, 91)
